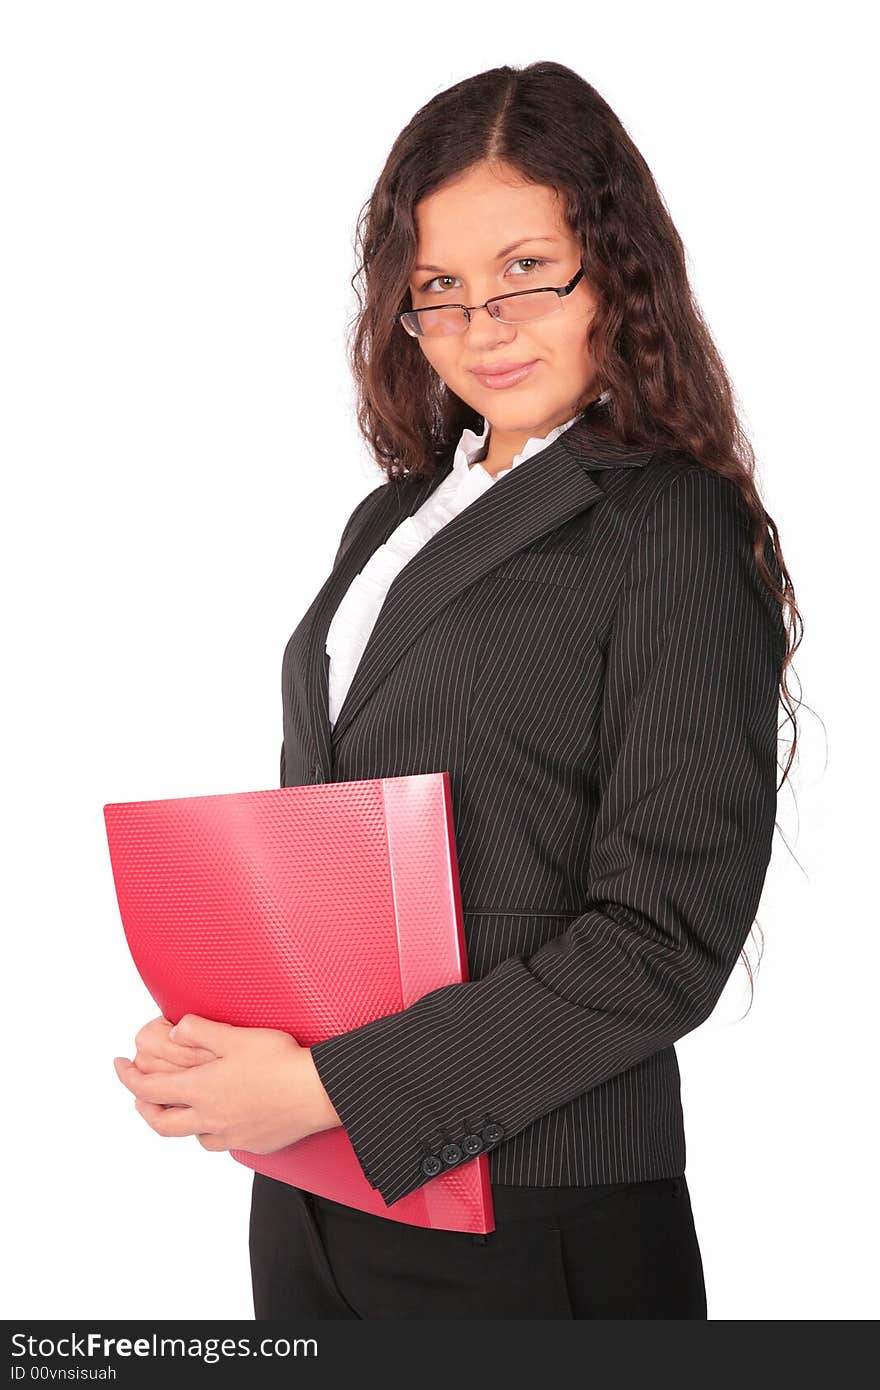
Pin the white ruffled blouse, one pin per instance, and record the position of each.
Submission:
(359, 608)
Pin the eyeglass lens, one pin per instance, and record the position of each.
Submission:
(446, 319)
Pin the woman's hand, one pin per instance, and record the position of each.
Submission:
(233, 1088)
(155, 1051)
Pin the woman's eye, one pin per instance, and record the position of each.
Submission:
(428, 283)
(534, 261)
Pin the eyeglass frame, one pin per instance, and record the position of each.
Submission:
(469, 309)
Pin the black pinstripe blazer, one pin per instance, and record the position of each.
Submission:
(588, 650)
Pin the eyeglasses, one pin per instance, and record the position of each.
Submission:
(520, 307)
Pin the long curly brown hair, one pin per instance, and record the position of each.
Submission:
(653, 352)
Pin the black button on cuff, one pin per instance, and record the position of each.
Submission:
(431, 1166)
(472, 1143)
(451, 1153)
(492, 1133)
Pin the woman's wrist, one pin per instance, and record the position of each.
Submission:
(324, 1109)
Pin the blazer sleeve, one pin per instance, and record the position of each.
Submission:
(677, 862)
(348, 528)
(343, 541)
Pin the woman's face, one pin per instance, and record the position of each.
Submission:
(463, 227)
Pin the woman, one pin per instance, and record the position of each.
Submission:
(566, 593)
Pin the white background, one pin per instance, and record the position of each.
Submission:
(180, 185)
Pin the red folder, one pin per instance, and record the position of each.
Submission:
(311, 909)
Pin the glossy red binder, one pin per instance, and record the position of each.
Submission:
(311, 909)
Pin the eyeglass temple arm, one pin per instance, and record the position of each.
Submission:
(561, 290)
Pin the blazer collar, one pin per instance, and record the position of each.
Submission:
(539, 495)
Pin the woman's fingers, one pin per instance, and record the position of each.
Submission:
(193, 1057)
(152, 1036)
(155, 1051)
(157, 1090)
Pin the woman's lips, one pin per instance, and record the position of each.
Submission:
(497, 380)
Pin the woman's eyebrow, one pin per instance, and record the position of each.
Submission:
(505, 251)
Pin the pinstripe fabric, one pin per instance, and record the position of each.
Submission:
(353, 619)
(588, 650)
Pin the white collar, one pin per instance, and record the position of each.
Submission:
(472, 446)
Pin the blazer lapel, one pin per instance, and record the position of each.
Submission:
(398, 501)
(539, 495)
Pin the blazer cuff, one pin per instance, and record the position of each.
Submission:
(412, 1110)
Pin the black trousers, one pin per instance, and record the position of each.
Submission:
(622, 1250)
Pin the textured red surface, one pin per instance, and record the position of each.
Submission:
(311, 909)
